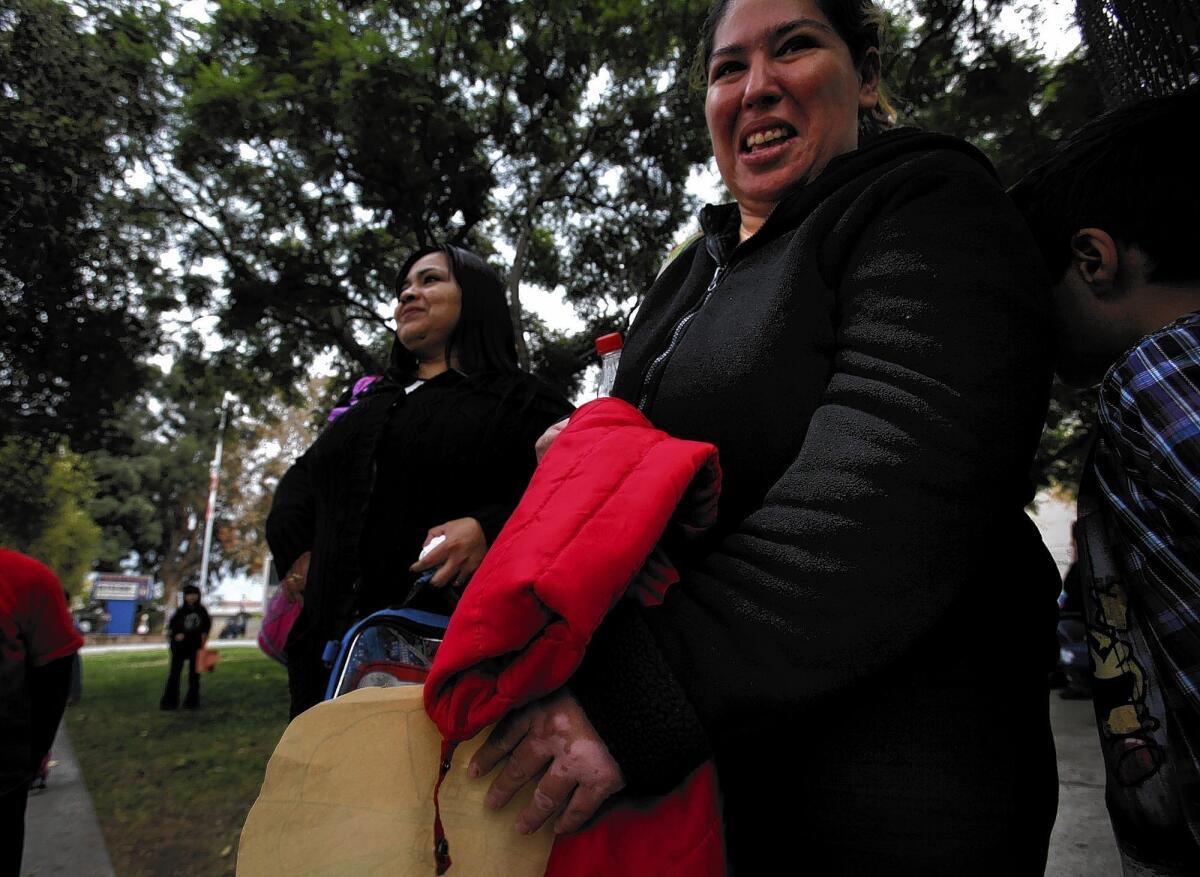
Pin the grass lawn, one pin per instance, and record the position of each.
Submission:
(172, 789)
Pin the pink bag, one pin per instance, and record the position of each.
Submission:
(277, 624)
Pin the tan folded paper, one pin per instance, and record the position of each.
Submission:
(349, 791)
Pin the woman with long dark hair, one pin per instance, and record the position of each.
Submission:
(442, 445)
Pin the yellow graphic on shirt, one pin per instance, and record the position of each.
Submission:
(1119, 688)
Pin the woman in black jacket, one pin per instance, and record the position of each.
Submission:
(865, 632)
(442, 445)
(187, 632)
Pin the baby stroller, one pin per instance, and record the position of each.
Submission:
(388, 648)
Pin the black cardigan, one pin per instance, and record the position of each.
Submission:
(874, 367)
(363, 496)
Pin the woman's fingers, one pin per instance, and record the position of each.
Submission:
(458, 556)
(448, 573)
(525, 763)
(293, 589)
(434, 556)
(581, 807)
(297, 577)
(547, 438)
(551, 795)
(504, 738)
(554, 736)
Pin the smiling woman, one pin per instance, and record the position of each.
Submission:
(784, 97)
(443, 445)
(427, 312)
(863, 335)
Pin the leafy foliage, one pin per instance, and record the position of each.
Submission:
(79, 276)
(268, 448)
(238, 192)
(44, 494)
(153, 478)
(1070, 428)
(318, 142)
(951, 68)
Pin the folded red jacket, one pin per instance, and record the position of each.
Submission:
(585, 535)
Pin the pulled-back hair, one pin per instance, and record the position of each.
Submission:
(1131, 172)
(483, 339)
(860, 25)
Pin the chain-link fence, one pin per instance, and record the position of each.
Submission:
(1141, 48)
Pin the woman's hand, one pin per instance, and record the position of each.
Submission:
(547, 438)
(458, 557)
(297, 577)
(553, 735)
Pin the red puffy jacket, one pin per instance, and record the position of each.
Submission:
(584, 535)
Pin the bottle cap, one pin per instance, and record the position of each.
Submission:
(609, 343)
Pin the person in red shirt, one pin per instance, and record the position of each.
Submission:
(37, 644)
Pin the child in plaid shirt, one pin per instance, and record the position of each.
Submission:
(1114, 211)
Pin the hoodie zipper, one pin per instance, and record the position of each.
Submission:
(660, 361)
(900, 142)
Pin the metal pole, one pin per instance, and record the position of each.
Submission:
(214, 475)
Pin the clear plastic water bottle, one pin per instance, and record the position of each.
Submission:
(609, 347)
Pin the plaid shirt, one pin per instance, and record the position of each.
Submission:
(1148, 467)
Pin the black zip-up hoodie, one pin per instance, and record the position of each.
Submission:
(874, 367)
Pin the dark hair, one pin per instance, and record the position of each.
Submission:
(860, 25)
(191, 589)
(483, 339)
(1129, 172)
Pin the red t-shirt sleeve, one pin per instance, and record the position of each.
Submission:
(40, 608)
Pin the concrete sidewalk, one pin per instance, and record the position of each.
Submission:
(1082, 844)
(62, 835)
(162, 646)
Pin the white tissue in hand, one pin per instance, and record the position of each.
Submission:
(433, 543)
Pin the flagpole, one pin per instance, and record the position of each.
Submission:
(214, 475)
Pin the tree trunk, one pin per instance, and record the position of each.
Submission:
(172, 585)
(360, 354)
(181, 568)
(514, 293)
(342, 333)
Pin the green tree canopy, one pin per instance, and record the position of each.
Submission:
(950, 67)
(43, 507)
(79, 260)
(317, 142)
(252, 180)
(152, 478)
